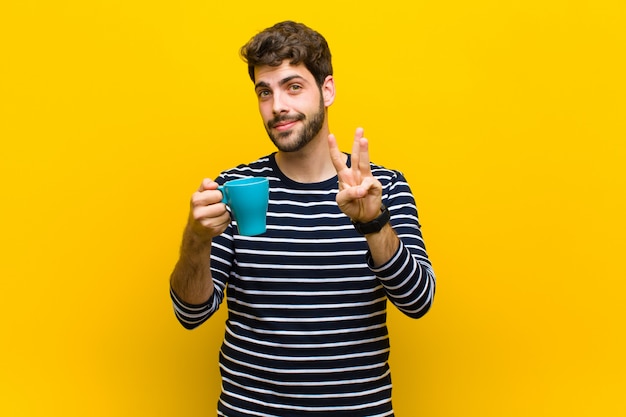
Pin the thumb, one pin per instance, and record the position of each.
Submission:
(207, 184)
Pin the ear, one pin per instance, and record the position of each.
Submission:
(328, 90)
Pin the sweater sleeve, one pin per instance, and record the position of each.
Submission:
(193, 315)
(409, 283)
(408, 277)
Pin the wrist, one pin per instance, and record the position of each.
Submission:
(375, 225)
(196, 240)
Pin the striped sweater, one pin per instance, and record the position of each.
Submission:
(306, 331)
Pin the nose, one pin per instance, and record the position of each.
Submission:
(279, 104)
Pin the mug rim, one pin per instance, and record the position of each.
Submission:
(245, 181)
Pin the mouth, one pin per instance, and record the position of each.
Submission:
(283, 125)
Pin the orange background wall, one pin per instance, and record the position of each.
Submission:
(508, 118)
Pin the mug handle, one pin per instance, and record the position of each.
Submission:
(224, 199)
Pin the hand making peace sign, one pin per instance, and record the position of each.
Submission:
(360, 193)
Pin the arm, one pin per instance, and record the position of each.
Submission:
(397, 253)
(191, 277)
(191, 282)
(407, 276)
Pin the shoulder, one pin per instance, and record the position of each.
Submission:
(386, 175)
(395, 186)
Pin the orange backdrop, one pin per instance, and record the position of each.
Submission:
(508, 118)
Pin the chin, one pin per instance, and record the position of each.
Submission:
(286, 141)
(288, 148)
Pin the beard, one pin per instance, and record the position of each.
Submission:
(295, 140)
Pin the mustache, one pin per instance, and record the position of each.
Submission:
(281, 119)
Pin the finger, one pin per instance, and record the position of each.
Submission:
(336, 155)
(206, 198)
(364, 157)
(371, 187)
(207, 184)
(214, 214)
(348, 197)
(356, 155)
(210, 219)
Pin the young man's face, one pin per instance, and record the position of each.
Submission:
(292, 105)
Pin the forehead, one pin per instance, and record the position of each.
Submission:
(274, 74)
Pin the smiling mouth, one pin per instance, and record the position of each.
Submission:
(284, 124)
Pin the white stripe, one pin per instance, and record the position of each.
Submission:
(275, 306)
(307, 293)
(305, 332)
(300, 254)
(340, 382)
(279, 371)
(305, 280)
(307, 345)
(307, 319)
(301, 267)
(293, 407)
(311, 396)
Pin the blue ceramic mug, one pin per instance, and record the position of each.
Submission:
(247, 199)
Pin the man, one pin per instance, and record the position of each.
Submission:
(306, 331)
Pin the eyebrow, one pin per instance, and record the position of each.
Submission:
(263, 84)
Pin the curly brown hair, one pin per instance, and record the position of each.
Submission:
(293, 41)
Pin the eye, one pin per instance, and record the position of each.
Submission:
(295, 87)
(263, 93)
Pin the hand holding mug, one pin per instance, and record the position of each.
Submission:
(208, 217)
(248, 202)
